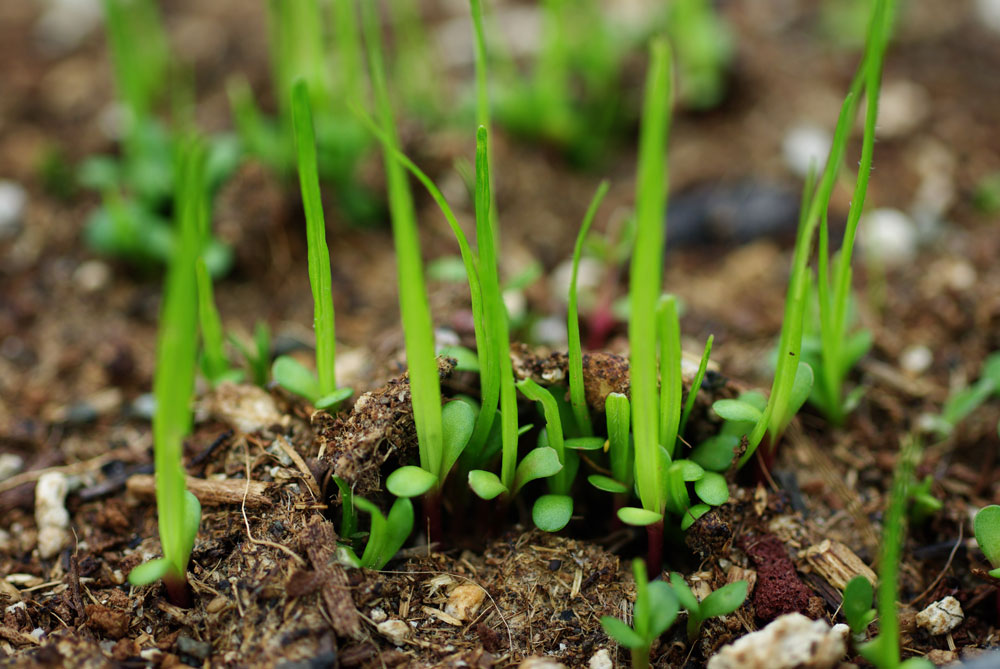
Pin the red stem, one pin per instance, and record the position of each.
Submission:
(432, 517)
(178, 590)
(654, 551)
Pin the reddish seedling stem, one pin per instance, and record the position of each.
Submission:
(178, 591)
(654, 552)
(432, 517)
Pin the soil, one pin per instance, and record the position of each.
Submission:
(77, 343)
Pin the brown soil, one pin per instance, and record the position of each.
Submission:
(77, 339)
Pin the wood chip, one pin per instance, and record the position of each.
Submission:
(737, 573)
(442, 616)
(837, 563)
(319, 540)
(210, 492)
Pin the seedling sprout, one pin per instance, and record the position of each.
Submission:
(655, 610)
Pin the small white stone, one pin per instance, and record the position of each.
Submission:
(13, 199)
(988, 12)
(516, 303)
(790, 641)
(806, 145)
(888, 236)
(916, 359)
(378, 615)
(550, 331)
(588, 279)
(395, 631)
(464, 601)
(66, 23)
(92, 276)
(902, 106)
(536, 662)
(601, 660)
(941, 617)
(51, 516)
(960, 275)
(10, 464)
(38, 633)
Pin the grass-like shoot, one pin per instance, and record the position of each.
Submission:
(655, 610)
(883, 650)
(173, 385)
(703, 49)
(387, 533)
(721, 602)
(441, 435)
(257, 354)
(320, 388)
(963, 402)
(576, 388)
(857, 605)
(841, 350)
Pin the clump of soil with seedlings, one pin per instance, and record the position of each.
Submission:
(413, 333)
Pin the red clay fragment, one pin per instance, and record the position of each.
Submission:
(779, 589)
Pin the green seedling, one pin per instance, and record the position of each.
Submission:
(655, 610)
(320, 388)
(621, 452)
(214, 363)
(552, 512)
(570, 97)
(257, 354)
(722, 602)
(173, 386)
(703, 50)
(963, 402)
(793, 377)
(300, 49)
(923, 503)
(740, 416)
(987, 526)
(986, 197)
(387, 534)
(840, 349)
(857, 605)
(883, 650)
(696, 384)
(646, 272)
(576, 388)
(139, 54)
(441, 435)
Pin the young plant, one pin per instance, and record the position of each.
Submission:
(577, 391)
(321, 388)
(441, 435)
(621, 452)
(703, 48)
(963, 402)
(840, 350)
(923, 503)
(883, 650)
(793, 377)
(987, 526)
(645, 281)
(257, 354)
(857, 605)
(655, 610)
(722, 602)
(387, 534)
(173, 386)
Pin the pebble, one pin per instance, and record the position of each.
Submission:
(464, 601)
(217, 604)
(196, 649)
(92, 276)
(588, 280)
(10, 464)
(536, 662)
(378, 615)
(601, 660)
(66, 23)
(731, 212)
(805, 145)
(550, 331)
(790, 641)
(888, 236)
(941, 617)
(245, 408)
(916, 359)
(51, 516)
(395, 631)
(988, 12)
(143, 407)
(902, 106)
(13, 199)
